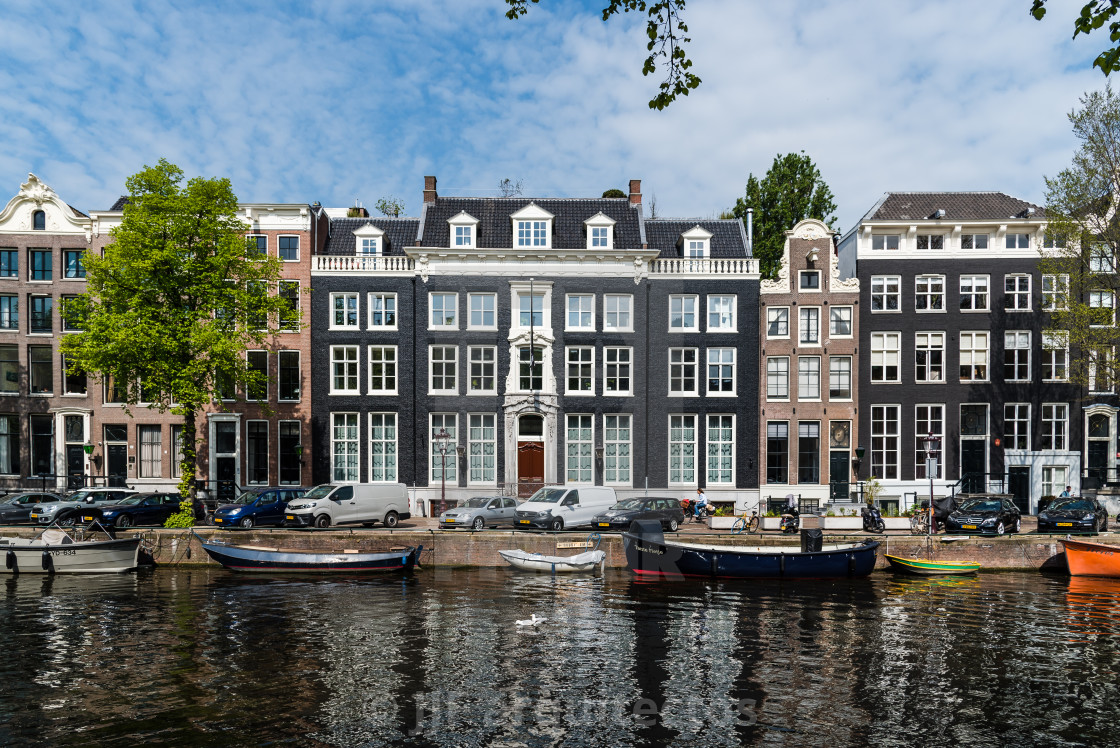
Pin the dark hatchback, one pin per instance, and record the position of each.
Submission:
(620, 516)
(264, 506)
(1073, 515)
(141, 509)
(986, 515)
(16, 507)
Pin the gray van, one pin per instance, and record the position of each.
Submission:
(349, 504)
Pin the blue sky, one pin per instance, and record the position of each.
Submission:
(338, 101)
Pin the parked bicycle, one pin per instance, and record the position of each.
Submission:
(749, 525)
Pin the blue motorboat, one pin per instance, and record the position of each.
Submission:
(253, 558)
(649, 554)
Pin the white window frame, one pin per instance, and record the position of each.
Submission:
(1102, 259)
(930, 343)
(809, 326)
(599, 231)
(482, 449)
(628, 363)
(346, 297)
(1099, 299)
(454, 363)
(924, 291)
(462, 236)
(678, 371)
(887, 289)
(886, 347)
(885, 242)
(1050, 486)
(978, 285)
(443, 325)
(1055, 292)
(684, 300)
(618, 464)
(1017, 426)
(809, 378)
(387, 447)
(1054, 418)
(386, 364)
(585, 360)
(721, 309)
(802, 275)
(615, 300)
(682, 449)
(886, 445)
(437, 463)
(579, 299)
(974, 241)
(970, 356)
(720, 442)
(477, 299)
(778, 375)
(352, 448)
(1018, 297)
(839, 373)
(834, 317)
(1015, 240)
(929, 240)
(382, 299)
(923, 427)
(579, 452)
(299, 246)
(774, 317)
(1013, 341)
(492, 363)
(725, 360)
(468, 237)
(1055, 345)
(345, 367)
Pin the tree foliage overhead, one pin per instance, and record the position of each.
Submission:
(175, 300)
(791, 191)
(1093, 15)
(390, 206)
(1083, 227)
(666, 31)
(614, 192)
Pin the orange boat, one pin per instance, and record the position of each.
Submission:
(1092, 559)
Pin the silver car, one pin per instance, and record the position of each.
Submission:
(480, 512)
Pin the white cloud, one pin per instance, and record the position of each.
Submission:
(333, 101)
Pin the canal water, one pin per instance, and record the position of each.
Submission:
(208, 657)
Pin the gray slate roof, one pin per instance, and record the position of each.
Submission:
(495, 229)
(399, 233)
(729, 238)
(958, 206)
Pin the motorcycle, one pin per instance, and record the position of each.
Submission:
(873, 519)
(791, 520)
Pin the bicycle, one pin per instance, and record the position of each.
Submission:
(749, 525)
(919, 523)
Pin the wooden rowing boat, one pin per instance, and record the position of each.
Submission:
(931, 568)
(253, 558)
(525, 561)
(1092, 559)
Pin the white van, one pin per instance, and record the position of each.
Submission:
(557, 507)
(351, 504)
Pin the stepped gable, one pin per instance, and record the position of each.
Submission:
(958, 206)
(495, 227)
(399, 233)
(729, 239)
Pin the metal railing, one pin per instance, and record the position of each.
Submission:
(1094, 478)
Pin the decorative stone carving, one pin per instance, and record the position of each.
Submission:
(422, 266)
(641, 270)
(810, 229)
(834, 283)
(781, 285)
(35, 190)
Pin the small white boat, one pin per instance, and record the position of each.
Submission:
(55, 552)
(553, 564)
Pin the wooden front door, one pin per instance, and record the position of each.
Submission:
(530, 468)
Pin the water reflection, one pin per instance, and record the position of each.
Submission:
(435, 659)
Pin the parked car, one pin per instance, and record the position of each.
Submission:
(354, 504)
(66, 511)
(557, 507)
(1073, 515)
(264, 506)
(619, 517)
(989, 515)
(16, 507)
(139, 509)
(481, 511)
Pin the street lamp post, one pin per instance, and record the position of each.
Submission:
(932, 442)
(442, 440)
(856, 463)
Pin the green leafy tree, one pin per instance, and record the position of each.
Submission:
(791, 191)
(614, 192)
(390, 206)
(666, 31)
(1082, 241)
(173, 303)
(1093, 15)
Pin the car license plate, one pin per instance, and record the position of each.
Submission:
(289, 516)
(604, 524)
(968, 527)
(34, 516)
(1065, 524)
(218, 519)
(87, 519)
(524, 521)
(449, 521)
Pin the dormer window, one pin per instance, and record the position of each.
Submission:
(532, 227)
(39, 220)
(464, 230)
(696, 243)
(369, 241)
(600, 232)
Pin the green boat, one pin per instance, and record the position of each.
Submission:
(931, 568)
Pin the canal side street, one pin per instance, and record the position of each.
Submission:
(467, 548)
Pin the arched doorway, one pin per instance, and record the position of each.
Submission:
(530, 454)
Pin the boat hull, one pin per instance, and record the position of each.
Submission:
(252, 559)
(931, 568)
(582, 562)
(88, 557)
(648, 556)
(1092, 559)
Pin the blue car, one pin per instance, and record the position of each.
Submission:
(264, 506)
(139, 509)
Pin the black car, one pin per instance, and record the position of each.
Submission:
(141, 509)
(16, 507)
(619, 517)
(1073, 515)
(988, 515)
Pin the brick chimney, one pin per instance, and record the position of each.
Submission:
(430, 189)
(635, 192)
